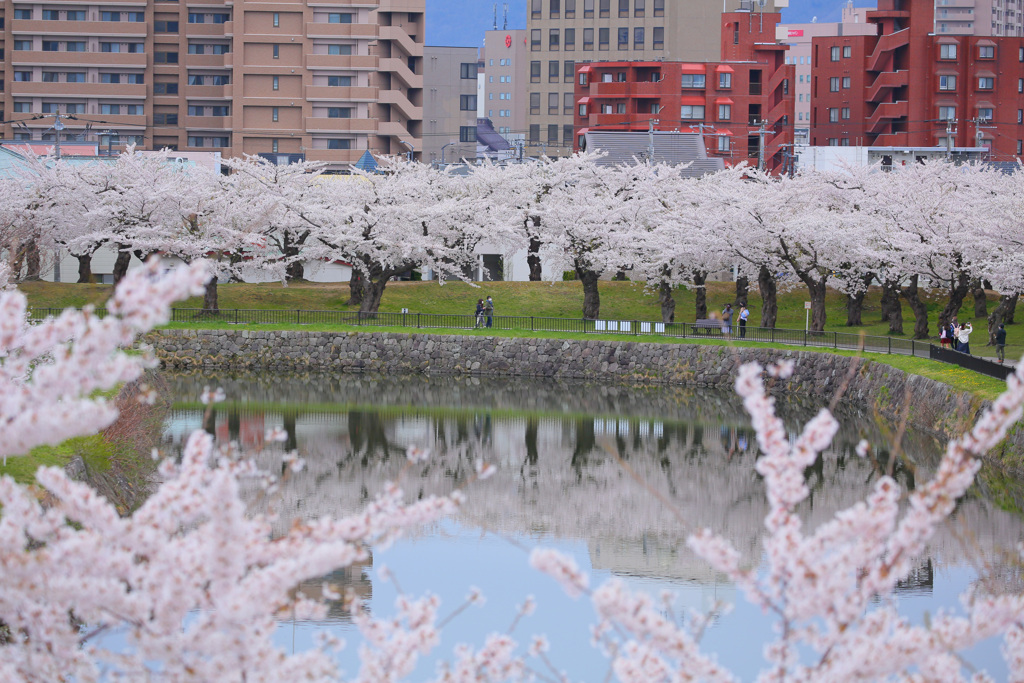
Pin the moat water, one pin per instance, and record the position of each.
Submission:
(581, 468)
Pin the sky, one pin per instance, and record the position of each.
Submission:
(463, 22)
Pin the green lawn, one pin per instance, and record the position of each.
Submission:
(619, 300)
(95, 450)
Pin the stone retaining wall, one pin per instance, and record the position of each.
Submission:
(935, 407)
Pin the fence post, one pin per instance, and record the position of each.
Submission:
(531, 324)
(835, 341)
(890, 344)
(636, 327)
(417, 321)
(913, 348)
(805, 337)
(297, 319)
(772, 329)
(236, 316)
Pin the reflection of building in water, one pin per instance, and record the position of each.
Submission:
(355, 577)
(562, 477)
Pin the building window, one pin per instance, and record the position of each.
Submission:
(276, 84)
(833, 115)
(165, 27)
(337, 143)
(606, 8)
(339, 18)
(724, 112)
(534, 133)
(277, 21)
(553, 39)
(691, 112)
(986, 83)
(535, 71)
(846, 113)
(165, 57)
(583, 110)
(985, 113)
(835, 54)
(274, 114)
(588, 39)
(638, 8)
(692, 81)
(570, 39)
(535, 40)
(724, 80)
(947, 51)
(339, 81)
(23, 76)
(536, 8)
(603, 35)
(553, 134)
(570, 9)
(947, 82)
(467, 102)
(638, 38)
(723, 143)
(277, 51)
(1020, 116)
(623, 34)
(553, 71)
(568, 70)
(344, 50)
(567, 133)
(583, 78)
(27, 14)
(623, 9)
(986, 52)
(659, 38)
(847, 52)
(165, 88)
(555, 9)
(552, 103)
(535, 103)
(833, 84)
(588, 9)
(846, 82)
(468, 70)
(343, 112)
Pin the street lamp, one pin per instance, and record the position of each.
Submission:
(442, 150)
(411, 148)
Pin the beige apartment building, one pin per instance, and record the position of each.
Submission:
(505, 59)
(450, 103)
(296, 79)
(564, 32)
(979, 17)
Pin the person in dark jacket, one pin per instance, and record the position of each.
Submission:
(1001, 343)
(479, 313)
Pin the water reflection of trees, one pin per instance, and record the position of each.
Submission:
(560, 474)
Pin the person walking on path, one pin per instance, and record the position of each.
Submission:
(479, 314)
(1001, 343)
(727, 319)
(944, 336)
(489, 310)
(963, 335)
(744, 314)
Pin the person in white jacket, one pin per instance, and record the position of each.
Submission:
(963, 338)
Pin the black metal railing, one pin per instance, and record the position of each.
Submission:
(848, 341)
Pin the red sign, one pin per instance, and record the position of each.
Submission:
(795, 32)
(508, 41)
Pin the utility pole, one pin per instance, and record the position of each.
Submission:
(650, 140)
(58, 126)
(762, 132)
(979, 123)
(950, 132)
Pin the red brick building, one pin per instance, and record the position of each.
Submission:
(909, 87)
(727, 100)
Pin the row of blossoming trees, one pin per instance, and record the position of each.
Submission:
(954, 229)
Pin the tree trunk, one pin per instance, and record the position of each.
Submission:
(892, 308)
(980, 301)
(32, 265)
(591, 297)
(769, 302)
(210, 305)
(668, 303)
(1011, 309)
(913, 296)
(373, 292)
(999, 316)
(700, 292)
(124, 258)
(957, 293)
(84, 268)
(742, 291)
(295, 271)
(855, 303)
(355, 289)
(533, 255)
(816, 290)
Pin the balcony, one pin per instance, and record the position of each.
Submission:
(886, 81)
(123, 121)
(207, 92)
(649, 89)
(334, 156)
(211, 30)
(352, 62)
(609, 89)
(75, 29)
(80, 59)
(316, 29)
(341, 93)
(206, 61)
(105, 90)
(319, 124)
(885, 113)
(206, 122)
(398, 35)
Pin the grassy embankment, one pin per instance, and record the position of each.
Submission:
(619, 300)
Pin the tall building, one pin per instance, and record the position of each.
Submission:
(449, 109)
(727, 100)
(565, 32)
(798, 37)
(505, 60)
(910, 87)
(979, 17)
(321, 82)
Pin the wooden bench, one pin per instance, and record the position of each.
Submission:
(707, 326)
